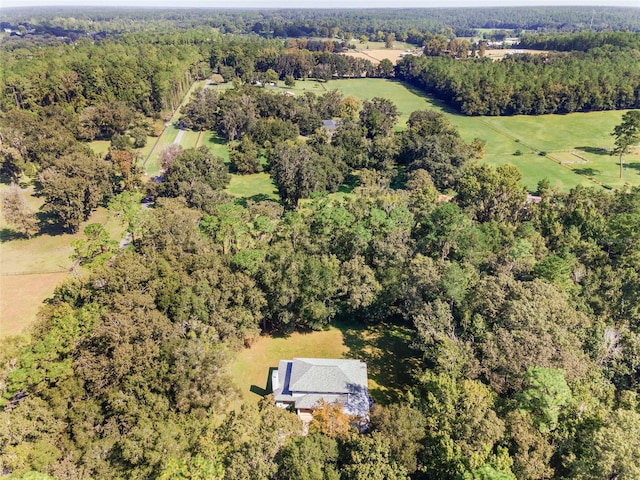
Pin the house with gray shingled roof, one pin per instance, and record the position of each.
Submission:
(303, 382)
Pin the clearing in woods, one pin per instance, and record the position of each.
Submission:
(382, 347)
(539, 139)
(32, 268)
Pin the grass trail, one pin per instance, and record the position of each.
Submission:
(151, 163)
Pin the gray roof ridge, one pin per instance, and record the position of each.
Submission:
(323, 374)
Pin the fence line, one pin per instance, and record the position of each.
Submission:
(46, 272)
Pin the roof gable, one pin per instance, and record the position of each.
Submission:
(327, 375)
(305, 381)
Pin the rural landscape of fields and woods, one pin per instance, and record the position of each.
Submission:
(320, 244)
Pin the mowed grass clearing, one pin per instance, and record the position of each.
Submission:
(251, 367)
(383, 347)
(30, 269)
(21, 298)
(254, 185)
(216, 145)
(588, 134)
(405, 100)
(534, 168)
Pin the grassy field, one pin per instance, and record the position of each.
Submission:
(251, 367)
(372, 45)
(215, 144)
(542, 140)
(32, 268)
(101, 147)
(406, 100)
(382, 347)
(257, 184)
(376, 54)
(21, 298)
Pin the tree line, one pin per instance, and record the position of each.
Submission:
(147, 77)
(346, 23)
(529, 84)
(581, 41)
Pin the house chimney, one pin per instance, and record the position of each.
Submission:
(275, 381)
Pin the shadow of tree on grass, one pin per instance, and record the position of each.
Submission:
(8, 234)
(259, 197)
(594, 150)
(589, 172)
(633, 165)
(436, 102)
(390, 360)
(216, 140)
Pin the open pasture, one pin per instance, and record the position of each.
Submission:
(500, 53)
(534, 168)
(377, 51)
(406, 100)
(21, 298)
(538, 138)
(32, 268)
(577, 142)
(375, 45)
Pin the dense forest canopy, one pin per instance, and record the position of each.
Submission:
(149, 70)
(524, 316)
(324, 22)
(532, 84)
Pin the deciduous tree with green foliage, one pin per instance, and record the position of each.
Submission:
(298, 171)
(626, 134)
(73, 186)
(196, 175)
(369, 457)
(309, 457)
(244, 157)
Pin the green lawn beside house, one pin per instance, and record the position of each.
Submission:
(382, 347)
